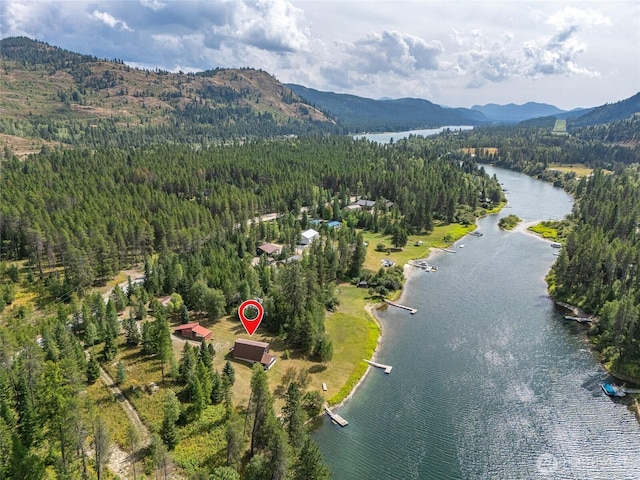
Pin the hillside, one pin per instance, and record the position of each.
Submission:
(609, 112)
(53, 96)
(359, 114)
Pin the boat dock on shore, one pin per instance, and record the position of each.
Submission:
(335, 418)
(386, 368)
(578, 319)
(412, 311)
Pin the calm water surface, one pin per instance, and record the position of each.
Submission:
(387, 136)
(488, 381)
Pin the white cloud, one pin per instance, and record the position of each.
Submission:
(557, 55)
(392, 51)
(110, 20)
(485, 60)
(154, 5)
(571, 17)
(266, 24)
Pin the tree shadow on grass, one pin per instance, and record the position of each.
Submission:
(317, 368)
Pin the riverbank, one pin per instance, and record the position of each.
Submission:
(421, 247)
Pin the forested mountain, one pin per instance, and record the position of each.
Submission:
(513, 113)
(608, 113)
(360, 114)
(62, 97)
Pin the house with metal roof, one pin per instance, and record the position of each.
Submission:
(253, 351)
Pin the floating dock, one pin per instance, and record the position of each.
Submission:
(578, 319)
(386, 368)
(412, 311)
(335, 418)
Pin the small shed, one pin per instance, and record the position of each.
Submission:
(194, 331)
(270, 249)
(334, 224)
(253, 351)
(308, 236)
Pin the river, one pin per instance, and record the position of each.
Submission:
(488, 381)
(386, 137)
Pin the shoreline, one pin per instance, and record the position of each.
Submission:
(408, 273)
(370, 310)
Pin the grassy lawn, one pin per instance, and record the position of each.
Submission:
(417, 247)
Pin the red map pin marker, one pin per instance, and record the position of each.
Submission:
(250, 324)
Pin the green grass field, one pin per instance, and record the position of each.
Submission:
(560, 127)
(417, 247)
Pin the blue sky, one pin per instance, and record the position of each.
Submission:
(455, 53)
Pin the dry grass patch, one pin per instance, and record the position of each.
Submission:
(579, 170)
(110, 409)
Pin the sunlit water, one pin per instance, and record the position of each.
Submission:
(488, 381)
(388, 136)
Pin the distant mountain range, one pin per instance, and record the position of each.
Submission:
(60, 97)
(513, 113)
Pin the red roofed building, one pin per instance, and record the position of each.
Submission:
(194, 331)
(252, 351)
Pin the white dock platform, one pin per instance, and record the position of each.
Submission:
(386, 368)
(412, 311)
(335, 417)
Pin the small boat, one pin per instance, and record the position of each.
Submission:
(462, 246)
(612, 390)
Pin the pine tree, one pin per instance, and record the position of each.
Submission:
(309, 464)
(187, 364)
(131, 332)
(121, 373)
(184, 314)
(294, 416)
(168, 430)
(229, 372)
(93, 371)
(217, 388)
(204, 353)
(198, 397)
(235, 444)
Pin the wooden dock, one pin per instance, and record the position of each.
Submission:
(412, 311)
(448, 250)
(386, 368)
(335, 418)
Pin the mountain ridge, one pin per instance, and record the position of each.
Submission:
(366, 114)
(70, 98)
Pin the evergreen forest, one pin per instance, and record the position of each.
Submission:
(116, 228)
(190, 218)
